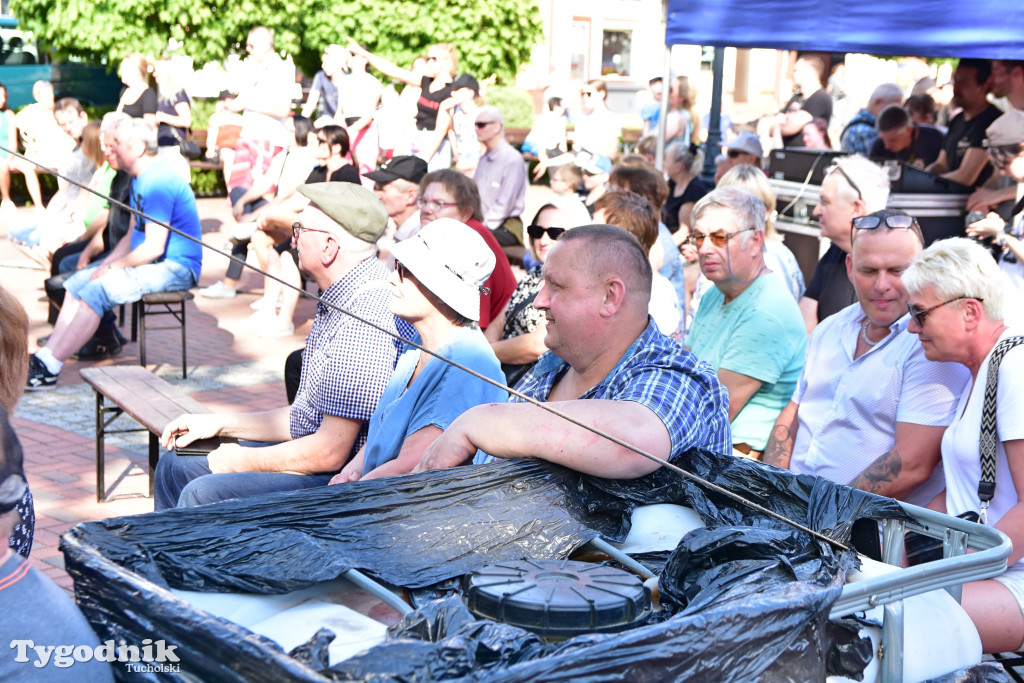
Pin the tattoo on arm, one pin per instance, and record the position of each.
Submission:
(779, 448)
(880, 474)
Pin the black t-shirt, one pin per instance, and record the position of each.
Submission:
(165, 136)
(830, 286)
(965, 134)
(670, 211)
(925, 145)
(146, 104)
(818, 105)
(428, 104)
(119, 218)
(346, 174)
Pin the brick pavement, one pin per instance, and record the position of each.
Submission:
(229, 369)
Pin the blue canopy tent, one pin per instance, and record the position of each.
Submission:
(987, 29)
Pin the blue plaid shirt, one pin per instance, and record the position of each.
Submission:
(346, 364)
(683, 391)
(859, 134)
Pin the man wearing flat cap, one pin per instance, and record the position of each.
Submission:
(345, 366)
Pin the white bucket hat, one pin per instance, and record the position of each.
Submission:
(451, 260)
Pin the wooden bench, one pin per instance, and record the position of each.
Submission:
(149, 400)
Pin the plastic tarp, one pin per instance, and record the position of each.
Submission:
(747, 598)
(989, 29)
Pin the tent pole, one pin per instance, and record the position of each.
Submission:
(714, 141)
(666, 89)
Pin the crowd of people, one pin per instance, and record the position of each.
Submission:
(638, 299)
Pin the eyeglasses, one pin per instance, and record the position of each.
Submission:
(734, 153)
(919, 314)
(536, 231)
(484, 124)
(718, 239)
(434, 205)
(839, 169)
(297, 229)
(402, 271)
(897, 222)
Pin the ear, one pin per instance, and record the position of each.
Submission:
(849, 265)
(614, 296)
(973, 313)
(329, 252)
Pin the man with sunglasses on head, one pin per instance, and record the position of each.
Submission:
(1005, 145)
(501, 178)
(345, 367)
(869, 409)
(853, 187)
(748, 327)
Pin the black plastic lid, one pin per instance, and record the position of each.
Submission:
(558, 598)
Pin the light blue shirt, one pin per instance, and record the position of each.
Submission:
(436, 397)
(760, 334)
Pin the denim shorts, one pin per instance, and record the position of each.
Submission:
(122, 286)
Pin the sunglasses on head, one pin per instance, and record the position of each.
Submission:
(897, 222)
(839, 169)
(536, 231)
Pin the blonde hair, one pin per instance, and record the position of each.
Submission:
(13, 350)
(754, 179)
(136, 61)
(450, 52)
(688, 102)
(958, 267)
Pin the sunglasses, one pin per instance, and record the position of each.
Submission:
(734, 153)
(402, 271)
(718, 239)
(587, 93)
(920, 314)
(483, 124)
(536, 231)
(899, 222)
(839, 169)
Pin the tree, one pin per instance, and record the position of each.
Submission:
(494, 37)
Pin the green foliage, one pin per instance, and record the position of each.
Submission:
(515, 105)
(494, 37)
(202, 110)
(208, 183)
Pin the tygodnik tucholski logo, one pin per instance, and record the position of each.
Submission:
(151, 657)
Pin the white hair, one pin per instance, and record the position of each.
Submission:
(887, 92)
(958, 267)
(133, 130)
(748, 210)
(871, 179)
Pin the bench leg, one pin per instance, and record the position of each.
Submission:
(184, 361)
(154, 455)
(100, 485)
(141, 317)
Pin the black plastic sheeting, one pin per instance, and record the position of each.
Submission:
(747, 598)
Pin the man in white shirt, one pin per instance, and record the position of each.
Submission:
(869, 409)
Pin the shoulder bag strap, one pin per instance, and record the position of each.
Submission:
(987, 442)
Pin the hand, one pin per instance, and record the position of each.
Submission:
(344, 477)
(83, 261)
(238, 210)
(188, 428)
(688, 252)
(982, 200)
(229, 457)
(452, 448)
(355, 48)
(989, 226)
(538, 172)
(99, 272)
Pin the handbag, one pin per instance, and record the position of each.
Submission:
(189, 148)
(920, 548)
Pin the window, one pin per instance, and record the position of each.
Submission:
(580, 42)
(615, 53)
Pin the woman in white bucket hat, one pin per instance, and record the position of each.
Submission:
(436, 287)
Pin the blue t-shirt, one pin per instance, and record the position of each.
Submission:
(161, 194)
(760, 334)
(437, 396)
(327, 104)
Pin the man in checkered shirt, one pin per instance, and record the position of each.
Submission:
(608, 366)
(346, 365)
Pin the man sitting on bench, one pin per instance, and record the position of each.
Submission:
(345, 367)
(150, 258)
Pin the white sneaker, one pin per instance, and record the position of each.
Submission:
(7, 206)
(263, 304)
(276, 329)
(217, 291)
(258, 320)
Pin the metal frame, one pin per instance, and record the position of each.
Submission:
(143, 308)
(105, 415)
(956, 568)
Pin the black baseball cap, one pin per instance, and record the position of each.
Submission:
(409, 168)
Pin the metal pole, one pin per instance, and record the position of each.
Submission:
(666, 89)
(714, 142)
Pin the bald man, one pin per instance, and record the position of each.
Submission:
(608, 366)
(501, 178)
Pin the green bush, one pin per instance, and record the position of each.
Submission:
(207, 183)
(515, 105)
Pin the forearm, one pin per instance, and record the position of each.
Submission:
(1012, 524)
(311, 454)
(271, 426)
(779, 449)
(510, 430)
(526, 348)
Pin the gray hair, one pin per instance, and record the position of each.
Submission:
(871, 179)
(747, 209)
(492, 111)
(133, 130)
(887, 92)
(111, 120)
(679, 150)
(958, 267)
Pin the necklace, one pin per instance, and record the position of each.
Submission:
(864, 335)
